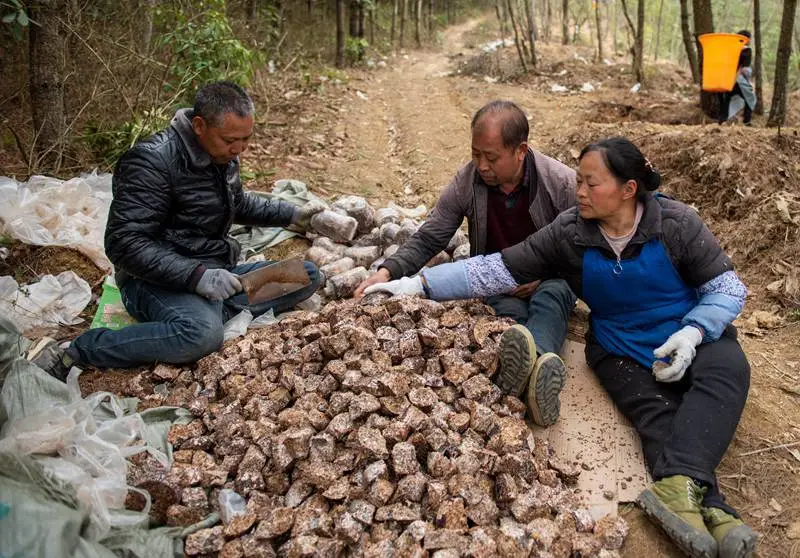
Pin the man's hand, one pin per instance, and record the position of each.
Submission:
(526, 290)
(218, 284)
(404, 286)
(380, 276)
(303, 213)
(680, 349)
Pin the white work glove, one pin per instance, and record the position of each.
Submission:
(680, 350)
(218, 284)
(303, 213)
(403, 286)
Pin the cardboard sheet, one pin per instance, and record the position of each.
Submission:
(593, 434)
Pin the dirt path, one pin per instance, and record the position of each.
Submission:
(407, 131)
(410, 123)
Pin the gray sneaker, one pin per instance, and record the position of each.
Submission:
(50, 357)
(517, 355)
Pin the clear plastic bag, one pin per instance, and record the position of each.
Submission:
(230, 505)
(46, 211)
(237, 326)
(92, 438)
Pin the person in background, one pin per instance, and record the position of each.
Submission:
(743, 96)
(507, 192)
(662, 295)
(176, 196)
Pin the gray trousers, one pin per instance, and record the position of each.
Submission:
(545, 313)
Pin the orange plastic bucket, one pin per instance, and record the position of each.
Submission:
(720, 60)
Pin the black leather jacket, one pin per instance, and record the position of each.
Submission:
(173, 208)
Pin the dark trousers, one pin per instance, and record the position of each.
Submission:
(545, 313)
(724, 104)
(175, 326)
(685, 426)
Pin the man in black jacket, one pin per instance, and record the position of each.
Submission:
(176, 196)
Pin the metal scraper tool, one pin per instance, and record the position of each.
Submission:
(274, 280)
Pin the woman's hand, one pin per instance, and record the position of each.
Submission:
(404, 286)
(680, 350)
(380, 276)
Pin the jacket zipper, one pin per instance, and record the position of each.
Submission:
(222, 176)
(617, 270)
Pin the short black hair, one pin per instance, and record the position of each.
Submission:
(515, 123)
(744, 32)
(624, 160)
(213, 100)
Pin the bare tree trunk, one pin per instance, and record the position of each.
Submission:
(548, 21)
(340, 33)
(394, 21)
(252, 11)
(518, 41)
(616, 23)
(430, 18)
(417, 18)
(499, 9)
(353, 13)
(704, 23)
(403, 16)
(599, 32)
(777, 110)
(46, 66)
(148, 9)
(658, 29)
(688, 43)
(564, 22)
(530, 11)
(638, 38)
(361, 17)
(639, 61)
(757, 65)
(372, 24)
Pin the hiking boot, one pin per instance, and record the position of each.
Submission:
(673, 503)
(47, 355)
(517, 356)
(734, 538)
(545, 385)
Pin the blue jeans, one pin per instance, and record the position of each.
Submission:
(174, 326)
(545, 313)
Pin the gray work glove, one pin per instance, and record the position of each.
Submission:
(218, 284)
(303, 213)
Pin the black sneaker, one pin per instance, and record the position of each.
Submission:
(47, 355)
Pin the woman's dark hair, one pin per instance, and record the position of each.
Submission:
(626, 162)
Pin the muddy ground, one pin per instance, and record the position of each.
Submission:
(399, 132)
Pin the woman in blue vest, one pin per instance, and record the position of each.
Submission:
(663, 295)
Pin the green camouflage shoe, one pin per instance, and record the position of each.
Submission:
(734, 538)
(544, 387)
(673, 503)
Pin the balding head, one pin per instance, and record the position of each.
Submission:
(508, 117)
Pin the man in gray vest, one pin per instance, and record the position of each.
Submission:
(507, 192)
